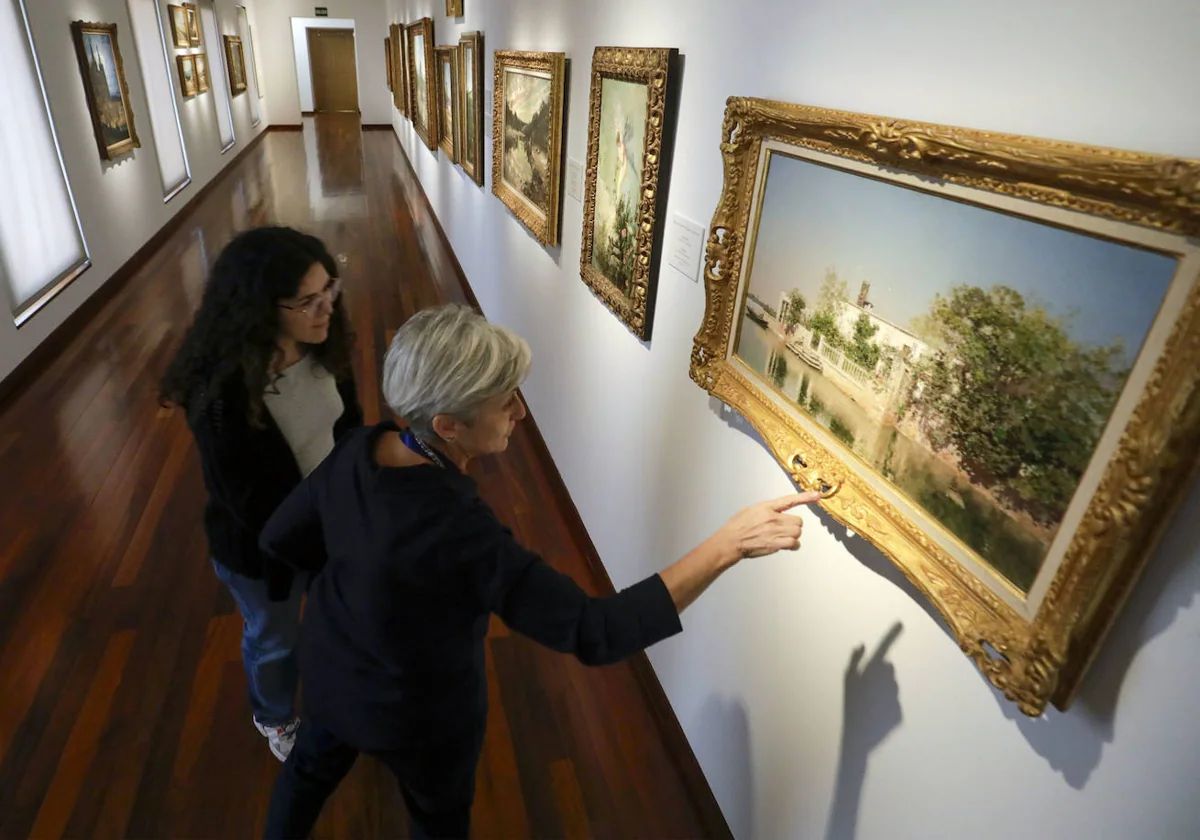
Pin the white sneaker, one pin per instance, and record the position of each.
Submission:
(280, 739)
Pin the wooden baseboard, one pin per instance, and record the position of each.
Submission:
(40, 358)
(660, 707)
(377, 126)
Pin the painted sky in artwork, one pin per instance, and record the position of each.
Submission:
(911, 245)
(525, 93)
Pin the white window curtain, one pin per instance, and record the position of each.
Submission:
(149, 37)
(219, 76)
(252, 92)
(41, 241)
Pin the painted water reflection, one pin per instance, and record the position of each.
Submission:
(1012, 548)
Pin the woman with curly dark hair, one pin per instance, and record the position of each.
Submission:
(264, 375)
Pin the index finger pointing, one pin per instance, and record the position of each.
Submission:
(792, 500)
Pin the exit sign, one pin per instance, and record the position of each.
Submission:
(322, 11)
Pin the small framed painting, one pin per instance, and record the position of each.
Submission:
(189, 84)
(527, 127)
(104, 88)
(201, 72)
(470, 84)
(630, 123)
(180, 36)
(422, 78)
(447, 87)
(454, 8)
(235, 61)
(193, 25)
(387, 56)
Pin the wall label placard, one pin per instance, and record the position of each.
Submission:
(575, 179)
(687, 243)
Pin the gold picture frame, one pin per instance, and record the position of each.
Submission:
(178, 16)
(422, 77)
(630, 127)
(470, 76)
(189, 82)
(454, 8)
(396, 38)
(531, 83)
(1033, 641)
(195, 36)
(446, 61)
(235, 63)
(201, 72)
(107, 94)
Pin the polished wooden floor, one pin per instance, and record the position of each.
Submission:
(122, 696)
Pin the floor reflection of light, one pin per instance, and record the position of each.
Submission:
(327, 206)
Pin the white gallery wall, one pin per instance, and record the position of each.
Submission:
(286, 96)
(120, 202)
(793, 742)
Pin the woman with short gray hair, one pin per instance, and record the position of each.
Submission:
(412, 563)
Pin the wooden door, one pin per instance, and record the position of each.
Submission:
(334, 77)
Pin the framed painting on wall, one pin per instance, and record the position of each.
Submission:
(396, 39)
(193, 25)
(387, 57)
(983, 349)
(454, 8)
(189, 84)
(235, 61)
(403, 96)
(470, 77)
(447, 99)
(527, 125)
(201, 72)
(104, 88)
(422, 79)
(630, 127)
(180, 35)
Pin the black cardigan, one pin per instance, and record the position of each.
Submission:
(248, 471)
(414, 562)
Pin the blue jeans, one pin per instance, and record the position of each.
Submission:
(270, 630)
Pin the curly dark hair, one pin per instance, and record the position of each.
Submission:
(235, 330)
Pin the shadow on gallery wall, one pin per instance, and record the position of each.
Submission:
(1071, 742)
(727, 729)
(870, 712)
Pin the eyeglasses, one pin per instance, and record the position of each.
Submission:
(308, 305)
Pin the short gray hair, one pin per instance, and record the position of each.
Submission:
(450, 360)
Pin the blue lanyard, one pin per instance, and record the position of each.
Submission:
(420, 447)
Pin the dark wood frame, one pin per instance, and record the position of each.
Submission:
(78, 29)
(471, 41)
(428, 133)
(387, 54)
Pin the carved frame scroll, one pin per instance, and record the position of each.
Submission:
(1034, 654)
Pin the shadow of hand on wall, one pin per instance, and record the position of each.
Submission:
(870, 711)
(727, 728)
(1072, 742)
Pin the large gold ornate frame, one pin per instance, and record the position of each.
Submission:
(1038, 656)
(427, 132)
(545, 228)
(651, 67)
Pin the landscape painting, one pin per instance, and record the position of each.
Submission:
(526, 150)
(201, 72)
(235, 59)
(104, 85)
(527, 125)
(970, 357)
(470, 81)
(188, 80)
(447, 91)
(180, 35)
(423, 74)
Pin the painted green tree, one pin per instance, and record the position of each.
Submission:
(619, 249)
(861, 350)
(795, 308)
(1015, 396)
